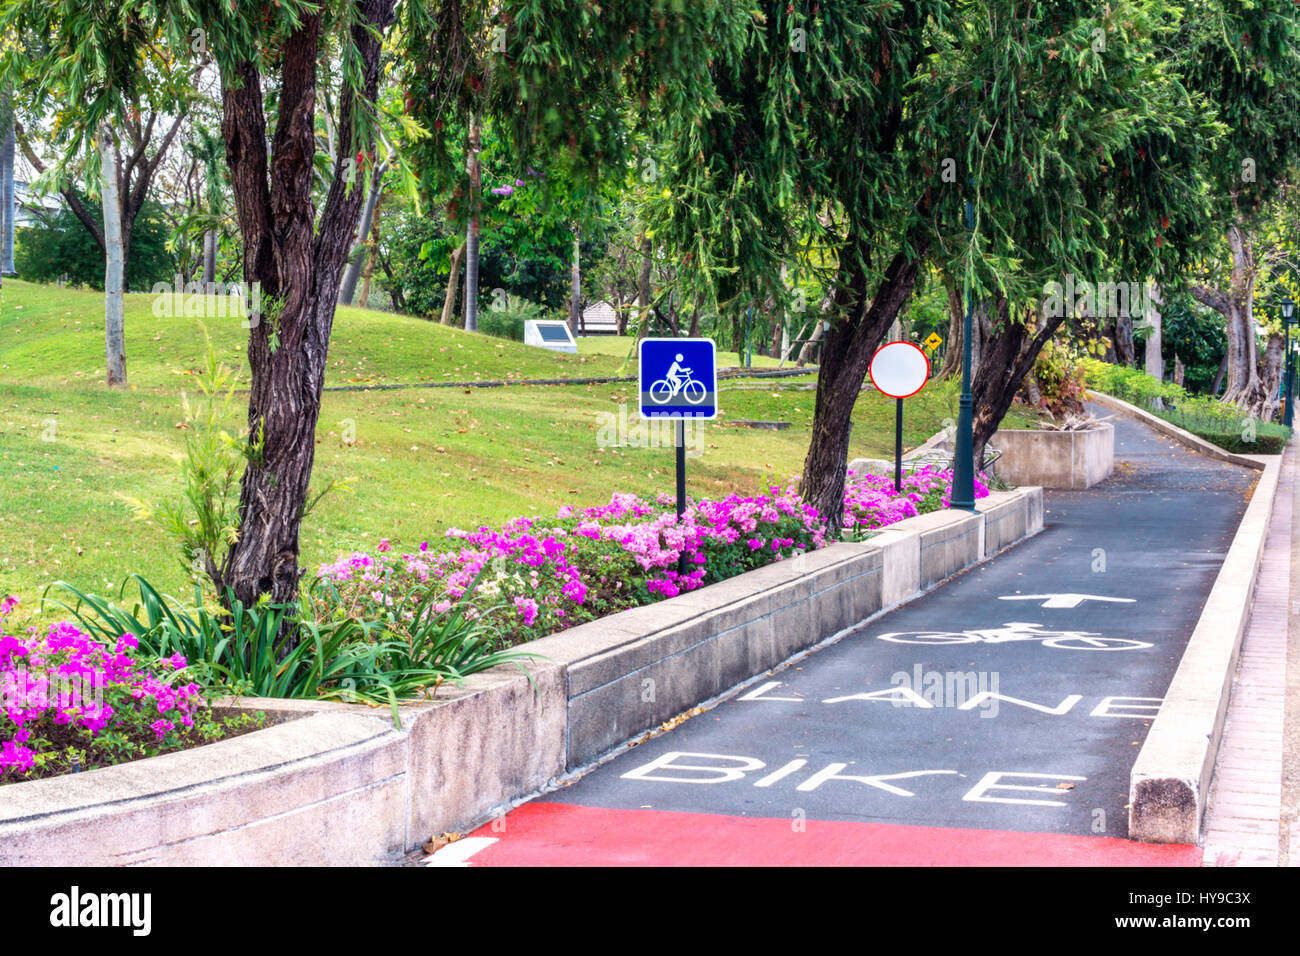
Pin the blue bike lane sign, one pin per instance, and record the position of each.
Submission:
(678, 378)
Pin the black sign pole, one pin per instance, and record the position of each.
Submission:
(681, 485)
(898, 445)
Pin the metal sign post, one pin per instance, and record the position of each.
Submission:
(678, 379)
(899, 370)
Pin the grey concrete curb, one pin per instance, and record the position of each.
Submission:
(1170, 781)
(1173, 431)
(331, 783)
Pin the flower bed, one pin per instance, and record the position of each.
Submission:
(70, 703)
(537, 576)
(871, 503)
(385, 626)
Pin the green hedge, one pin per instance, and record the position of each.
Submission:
(507, 322)
(1218, 423)
(504, 325)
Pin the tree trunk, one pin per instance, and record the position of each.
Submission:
(788, 344)
(7, 208)
(1180, 370)
(805, 353)
(1122, 338)
(471, 234)
(1244, 384)
(1246, 388)
(1008, 356)
(296, 257)
(956, 319)
(643, 280)
(849, 344)
(453, 284)
(981, 330)
(1154, 361)
(371, 255)
(133, 180)
(114, 261)
(1218, 376)
(348, 288)
(209, 261)
(575, 284)
(1271, 376)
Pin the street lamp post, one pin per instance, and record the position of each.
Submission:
(963, 465)
(1288, 316)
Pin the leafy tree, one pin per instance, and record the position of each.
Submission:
(560, 75)
(60, 249)
(88, 49)
(1194, 335)
(849, 136)
(1243, 56)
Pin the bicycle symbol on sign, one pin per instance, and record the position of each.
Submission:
(1017, 631)
(678, 379)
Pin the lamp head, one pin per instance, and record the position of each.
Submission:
(1288, 310)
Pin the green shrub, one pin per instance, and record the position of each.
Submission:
(1267, 438)
(60, 248)
(502, 325)
(1060, 379)
(1219, 423)
(507, 322)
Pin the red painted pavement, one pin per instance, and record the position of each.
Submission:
(559, 834)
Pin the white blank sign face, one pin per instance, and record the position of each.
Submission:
(899, 369)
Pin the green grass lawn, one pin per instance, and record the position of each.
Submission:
(74, 455)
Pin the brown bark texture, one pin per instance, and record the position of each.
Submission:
(297, 260)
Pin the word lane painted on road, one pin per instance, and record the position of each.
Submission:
(932, 690)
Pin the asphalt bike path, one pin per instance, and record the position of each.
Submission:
(992, 720)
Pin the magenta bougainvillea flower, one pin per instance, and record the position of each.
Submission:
(541, 574)
(62, 686)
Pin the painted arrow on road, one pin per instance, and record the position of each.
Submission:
(1063, 600)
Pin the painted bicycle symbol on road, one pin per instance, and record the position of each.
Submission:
(1018, 631)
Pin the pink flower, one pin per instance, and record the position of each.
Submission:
(13, 755)
(527, 608)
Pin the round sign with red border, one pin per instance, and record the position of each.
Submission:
(899, 369)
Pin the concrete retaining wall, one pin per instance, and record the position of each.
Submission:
(1056, 459)
(333, 783)
(1170, 781)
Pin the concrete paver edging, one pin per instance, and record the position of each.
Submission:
(332, 783)
(1194, 442)
(1170, 781)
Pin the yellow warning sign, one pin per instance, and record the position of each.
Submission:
(933, 342)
